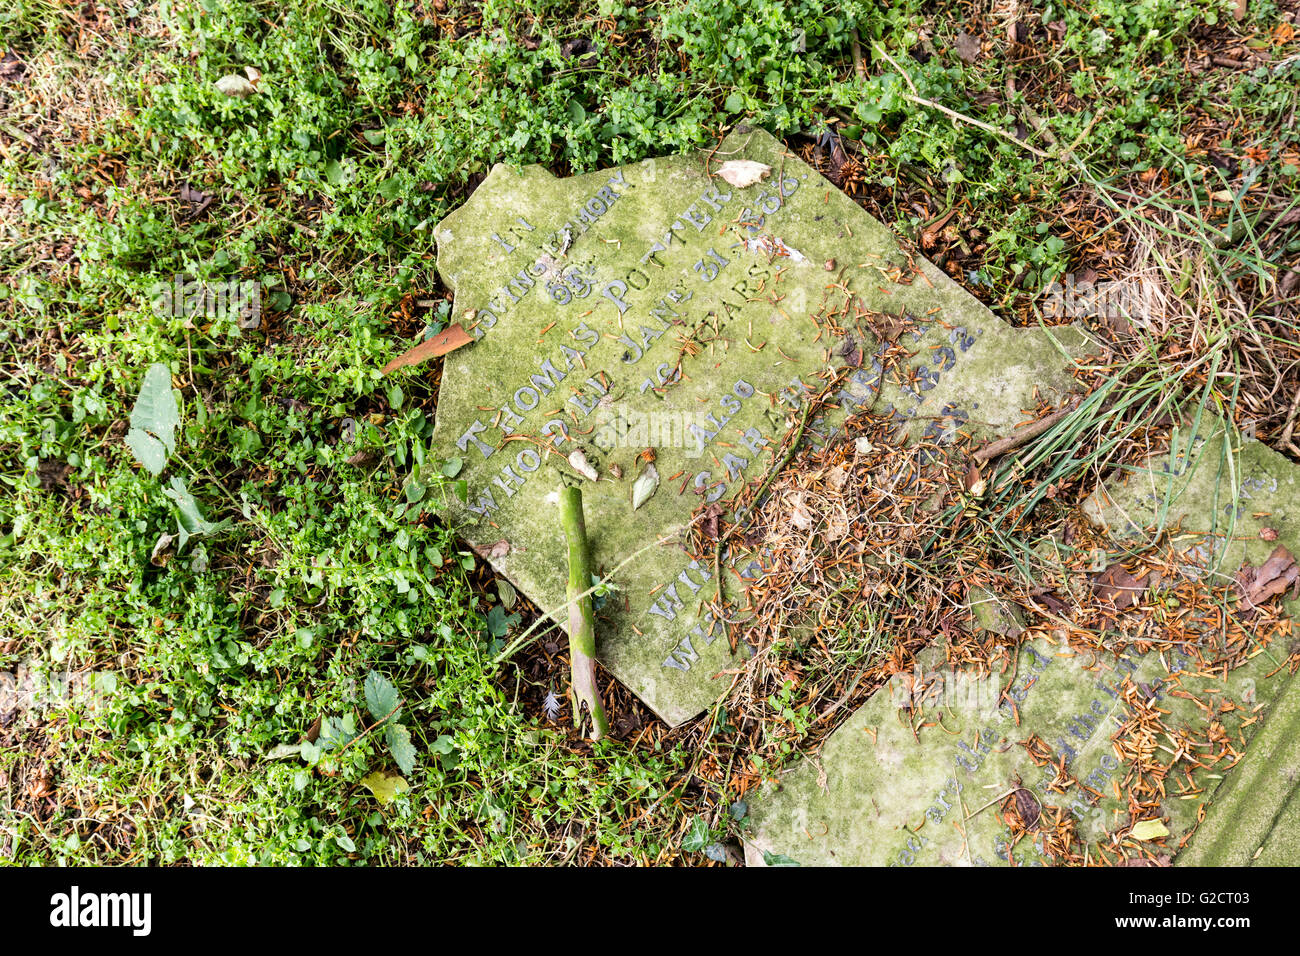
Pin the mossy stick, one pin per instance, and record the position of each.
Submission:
(582, 626)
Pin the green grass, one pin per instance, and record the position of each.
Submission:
(372, 120)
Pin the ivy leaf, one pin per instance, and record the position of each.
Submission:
(778, 859)
(154, 418)
(399, 743)
(697, 837)
(382, 698)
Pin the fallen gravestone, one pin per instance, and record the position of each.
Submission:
(1229, 510)
(654, 331)
(949, 767)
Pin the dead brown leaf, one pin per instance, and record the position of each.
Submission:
(11, 67)
(1280, 572)
(966, 46)
(1027, 808)
(709, 521)
(445, 341)
(1054, 604)
(743, 173)
(888, 327)
(198, 199)
(1117, 587)
(1161, 860)
(799, 515)
(497, 549)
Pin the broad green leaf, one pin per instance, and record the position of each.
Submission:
(399, 743)
(1149, 830)
(386, 786)
(148, 450)
(335, 732)
(382, 697)
(189, 519)
(152, 435)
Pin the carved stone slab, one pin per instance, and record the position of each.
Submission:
(656, 306)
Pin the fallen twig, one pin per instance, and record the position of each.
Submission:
(1004, 445)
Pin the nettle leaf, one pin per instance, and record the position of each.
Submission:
(399, 743)
(382, 698)
(152, 436)
(189, 519)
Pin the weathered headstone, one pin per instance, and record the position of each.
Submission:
(925, 786)
(922, 772)
(656, 306)
(1228, 509)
